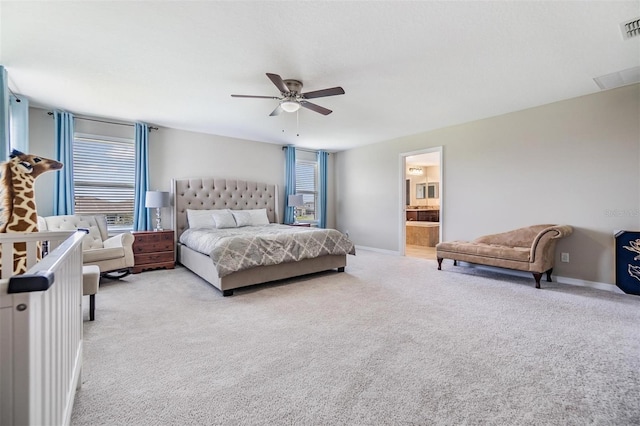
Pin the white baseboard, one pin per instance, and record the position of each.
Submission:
(378, 250)
(557, 278)
(592, 284)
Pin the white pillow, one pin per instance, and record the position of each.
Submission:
(243, 218)
(200, 218)
(223, 219)
(258, 217)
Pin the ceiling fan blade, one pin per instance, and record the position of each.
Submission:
(324, 92)
(277, 80)
(316, 108)
(276, 111)
(254, 96)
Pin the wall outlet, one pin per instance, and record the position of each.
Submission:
(564, 257)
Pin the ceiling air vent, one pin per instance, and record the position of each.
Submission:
(618, 78)
(630, 29)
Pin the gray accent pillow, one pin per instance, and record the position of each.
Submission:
(258, 216)
(223, 219)
(200, 218)
(243, 218)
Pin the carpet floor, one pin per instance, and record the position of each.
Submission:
(390, 341)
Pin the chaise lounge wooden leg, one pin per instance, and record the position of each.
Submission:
(549, 275)
(455, 262)
(439, 264)
(226, 293)
(341, 269)
(537, 276)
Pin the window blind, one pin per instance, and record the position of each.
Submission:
(104, 177)
(306, 185)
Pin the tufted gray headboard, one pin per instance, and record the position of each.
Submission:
(214, 193)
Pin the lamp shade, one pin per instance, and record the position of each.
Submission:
(295, 201)
(156, 199)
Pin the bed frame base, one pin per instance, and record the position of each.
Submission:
(203, 266)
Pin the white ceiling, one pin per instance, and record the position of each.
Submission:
(426, 160)
(406, 67)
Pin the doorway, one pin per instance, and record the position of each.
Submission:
(422, 196)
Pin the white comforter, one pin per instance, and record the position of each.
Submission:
(236, 249)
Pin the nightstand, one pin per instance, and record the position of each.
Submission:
(153, 250)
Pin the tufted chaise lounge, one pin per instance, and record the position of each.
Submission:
(530, 249)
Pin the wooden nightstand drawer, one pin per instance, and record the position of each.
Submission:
(152, 246)
(160, 257)
(154, 236)
(153, 250)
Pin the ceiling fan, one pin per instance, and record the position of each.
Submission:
(291, 97)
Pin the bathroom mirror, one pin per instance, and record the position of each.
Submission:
(421, 190)
(432, 190)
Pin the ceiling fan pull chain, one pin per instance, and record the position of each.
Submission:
(298, 123)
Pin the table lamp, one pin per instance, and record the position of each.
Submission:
(157, 200)
(295, 201)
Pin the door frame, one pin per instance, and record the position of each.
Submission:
(402, 215)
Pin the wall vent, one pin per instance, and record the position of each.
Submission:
(630, 28)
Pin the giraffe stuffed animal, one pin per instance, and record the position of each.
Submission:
(17, 199)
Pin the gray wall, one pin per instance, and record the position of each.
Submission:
(42, 143)
(175, 153)
(573, 162)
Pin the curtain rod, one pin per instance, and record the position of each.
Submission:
(105, 121)
(14, 95)
(304, 149)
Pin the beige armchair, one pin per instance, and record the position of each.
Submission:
(113, 255)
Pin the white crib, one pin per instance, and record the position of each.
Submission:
(41, 330)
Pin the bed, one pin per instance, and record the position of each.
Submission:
(207, 196)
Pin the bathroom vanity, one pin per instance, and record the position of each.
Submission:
(423, 215)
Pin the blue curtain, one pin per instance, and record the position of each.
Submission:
(141, 215)
(19, 132)
(4, 114)
(63, 203)
(289, 182)
(323, 157)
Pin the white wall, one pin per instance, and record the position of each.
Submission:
(573, 162)
(176, 154)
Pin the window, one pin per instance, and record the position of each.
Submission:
(307, 186)
(104, 178)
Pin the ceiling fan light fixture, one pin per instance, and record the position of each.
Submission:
(290, 106)
(291, 97)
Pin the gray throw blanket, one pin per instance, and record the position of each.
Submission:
(236, 249)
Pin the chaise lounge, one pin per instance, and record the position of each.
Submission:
(530, 249)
